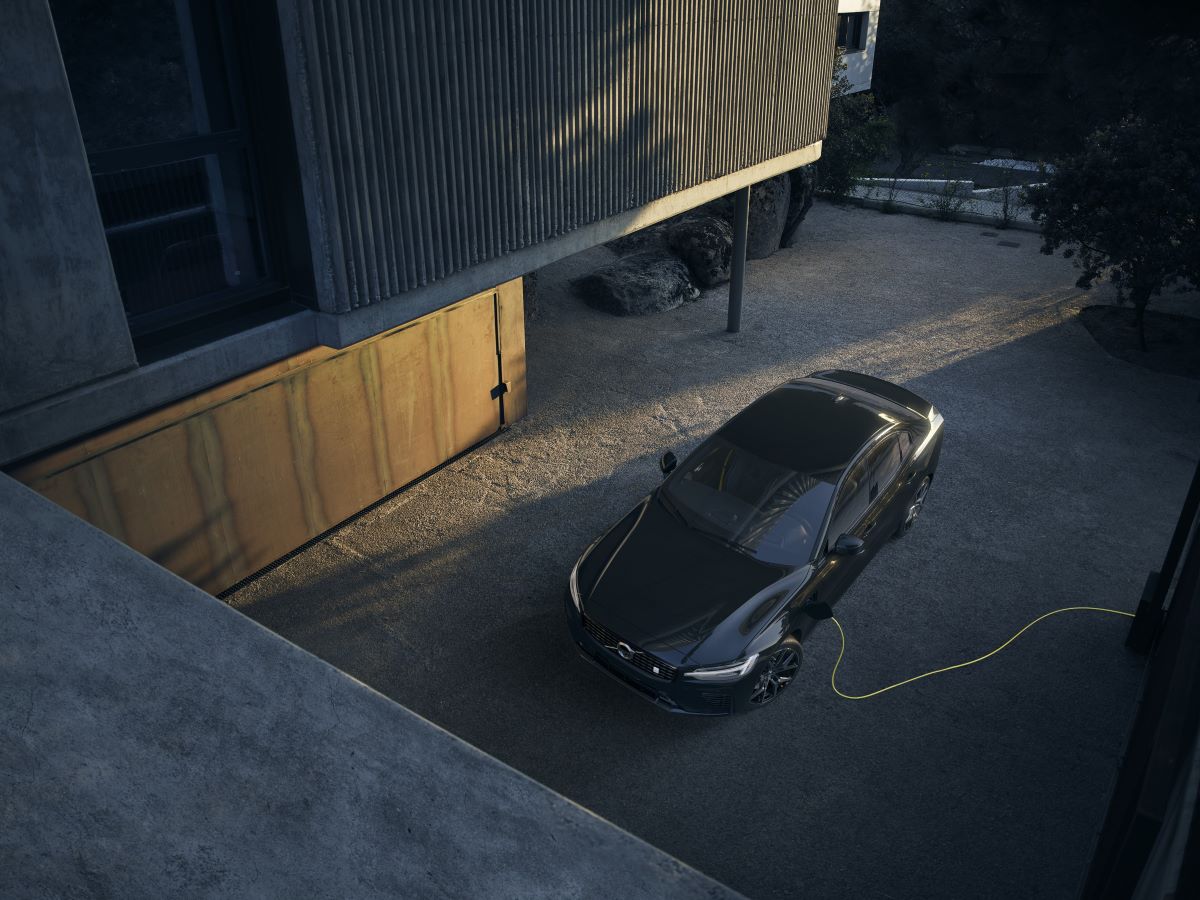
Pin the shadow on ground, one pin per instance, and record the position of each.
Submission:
(1060, 477)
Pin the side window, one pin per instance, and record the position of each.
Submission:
(852, 501)
(886, 467)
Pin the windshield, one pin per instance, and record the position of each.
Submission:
(765, 509)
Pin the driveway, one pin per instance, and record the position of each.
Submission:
(1062, 472)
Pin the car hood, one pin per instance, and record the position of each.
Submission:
(667, 588)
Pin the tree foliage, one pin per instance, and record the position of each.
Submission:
(1032, 74)
(1125, 207)
(857, 133)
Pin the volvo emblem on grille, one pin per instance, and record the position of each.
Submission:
(624, 650)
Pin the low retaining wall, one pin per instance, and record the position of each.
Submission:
(156, 743)
(915, 203)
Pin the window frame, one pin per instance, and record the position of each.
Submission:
(857, 24)
(249, 53)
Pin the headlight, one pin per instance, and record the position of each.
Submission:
(729, 672)
(575, 585)
(575, 595)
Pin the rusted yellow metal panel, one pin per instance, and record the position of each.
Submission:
(222, 483)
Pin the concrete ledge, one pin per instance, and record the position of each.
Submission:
(73, 414)
(156, 743)
(68, 416)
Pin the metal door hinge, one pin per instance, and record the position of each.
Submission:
(501, 389)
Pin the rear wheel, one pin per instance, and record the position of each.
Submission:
(779, 670)
(914, 507)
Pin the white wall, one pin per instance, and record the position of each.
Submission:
(859, 63)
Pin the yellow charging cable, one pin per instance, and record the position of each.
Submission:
(961, 665)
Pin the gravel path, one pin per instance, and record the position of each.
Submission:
(1062, 472)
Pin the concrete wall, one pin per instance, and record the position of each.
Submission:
(472, 157)
(156, 743)
(861, 63)
(61, 319)
(437, 138)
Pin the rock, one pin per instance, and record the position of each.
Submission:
(638, 285)
(768, 212)
(653, 237)
(722, 208)
(705, 243)
(804, 187)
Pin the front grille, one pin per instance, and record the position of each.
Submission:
(647, 662)
(716, 702)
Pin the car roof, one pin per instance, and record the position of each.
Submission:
(808, 427)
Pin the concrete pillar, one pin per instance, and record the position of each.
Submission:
(61, 319)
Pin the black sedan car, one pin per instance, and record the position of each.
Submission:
(700, 597)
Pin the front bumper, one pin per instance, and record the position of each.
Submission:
(678, 695)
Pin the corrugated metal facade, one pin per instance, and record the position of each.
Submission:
(439, 135)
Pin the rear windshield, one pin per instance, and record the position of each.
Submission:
(762, 508)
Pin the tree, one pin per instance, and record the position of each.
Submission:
(857, 133)
(1125, 207)
(1025, 74)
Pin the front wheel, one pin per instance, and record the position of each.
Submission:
(777, 672)
(914, 507)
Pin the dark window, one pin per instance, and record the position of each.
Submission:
(870, 476)
(766, 509)
(157, 88)
(852, 501)
(886, 466)
(852, 31)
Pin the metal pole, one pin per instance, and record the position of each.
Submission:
(737, 268)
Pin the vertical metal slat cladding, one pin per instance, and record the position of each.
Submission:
(441, 136)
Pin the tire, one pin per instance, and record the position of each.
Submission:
(776, 672)
(914, 507)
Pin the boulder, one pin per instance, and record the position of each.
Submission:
(768, 212)
(653, 237)
(638, 285)
(804, 187)
(705, 243)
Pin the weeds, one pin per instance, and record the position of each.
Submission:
(947, 202)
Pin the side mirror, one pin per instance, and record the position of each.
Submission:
(848, 545)
(668, 463)
(817, 610)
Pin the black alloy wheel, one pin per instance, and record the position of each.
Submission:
(778, 672)
(914, 508)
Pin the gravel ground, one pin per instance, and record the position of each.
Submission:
(1062, 472)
